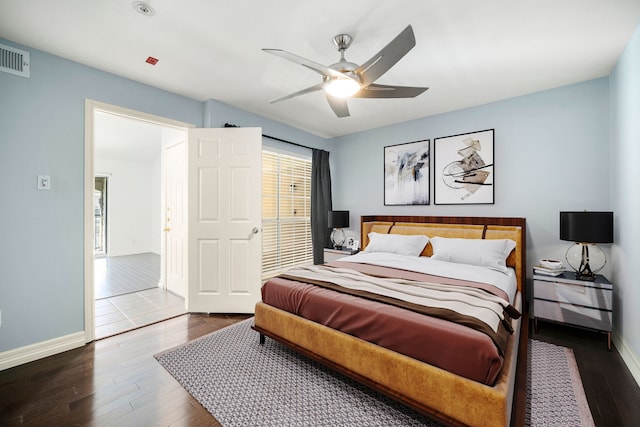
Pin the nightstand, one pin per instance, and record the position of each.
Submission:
(334, 254)
(566, 300)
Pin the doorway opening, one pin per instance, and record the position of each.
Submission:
(124, 242)
(100, 202)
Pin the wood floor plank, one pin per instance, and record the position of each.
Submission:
(107, 381)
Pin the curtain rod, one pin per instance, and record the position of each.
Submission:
(229, 125)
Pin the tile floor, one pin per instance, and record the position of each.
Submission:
(130, 311)
(117, 275)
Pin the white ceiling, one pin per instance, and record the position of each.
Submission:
(122, 138)
(468, 52)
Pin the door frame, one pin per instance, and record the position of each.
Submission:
(90, 107)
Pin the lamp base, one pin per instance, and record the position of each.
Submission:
(580, 259)
(337, 238)
(587, 277)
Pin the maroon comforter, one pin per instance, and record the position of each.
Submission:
(453, 347)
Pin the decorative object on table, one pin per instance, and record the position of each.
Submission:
(406, 173)
(549, 267)
(349, 242)
(586, 229)
(551, 264)
(463, 168)
(338, 220)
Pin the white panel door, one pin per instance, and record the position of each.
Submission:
(224, 220)
(175, 218)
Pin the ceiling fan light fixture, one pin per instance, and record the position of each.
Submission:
(342, 88)
(345, 79)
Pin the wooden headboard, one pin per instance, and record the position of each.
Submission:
(453, 226)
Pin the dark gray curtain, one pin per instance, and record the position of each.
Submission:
(320, 203)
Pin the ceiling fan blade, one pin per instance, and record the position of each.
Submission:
(382, 61)
(338, 105)
(310, 89)
(312, 65)
(384, 91)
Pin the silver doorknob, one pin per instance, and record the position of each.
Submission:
(255, 230)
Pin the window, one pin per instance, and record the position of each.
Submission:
(286, 212)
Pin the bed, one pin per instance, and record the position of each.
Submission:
(435, 377)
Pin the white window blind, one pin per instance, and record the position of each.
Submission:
(286, 212)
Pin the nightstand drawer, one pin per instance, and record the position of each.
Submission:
(583, 295)
(573, 314)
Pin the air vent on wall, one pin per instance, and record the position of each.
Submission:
(14, 61)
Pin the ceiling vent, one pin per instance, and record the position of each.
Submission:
(14, 61)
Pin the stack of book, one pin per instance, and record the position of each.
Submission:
(538, 269)
(549, 268)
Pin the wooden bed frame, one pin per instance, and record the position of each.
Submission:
(451, 399)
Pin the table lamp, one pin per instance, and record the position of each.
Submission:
(586, 229)
(338, 220)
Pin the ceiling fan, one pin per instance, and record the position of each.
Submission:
(345, 79)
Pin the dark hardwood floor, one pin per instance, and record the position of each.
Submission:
(116, 381)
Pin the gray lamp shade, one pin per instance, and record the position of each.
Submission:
(586, 227)
(338, 219)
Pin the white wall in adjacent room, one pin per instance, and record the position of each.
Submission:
(134, 203)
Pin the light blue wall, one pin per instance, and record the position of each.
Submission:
(42, 132)
(625, 190)
(217, 114)
(551, 154)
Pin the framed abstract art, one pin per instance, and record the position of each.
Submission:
(406, 174)
(464, 168)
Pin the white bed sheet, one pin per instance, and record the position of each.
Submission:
(505, 281)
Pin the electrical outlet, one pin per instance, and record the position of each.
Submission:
(44, 182)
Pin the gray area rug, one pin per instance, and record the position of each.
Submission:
(555, 395)
(242, 383)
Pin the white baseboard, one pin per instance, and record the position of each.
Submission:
(29, 353)
(630, 358)
(130, 251)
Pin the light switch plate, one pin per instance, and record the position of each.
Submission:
(44, 182)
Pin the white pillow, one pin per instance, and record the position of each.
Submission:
(396, 244)
(491, 253)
